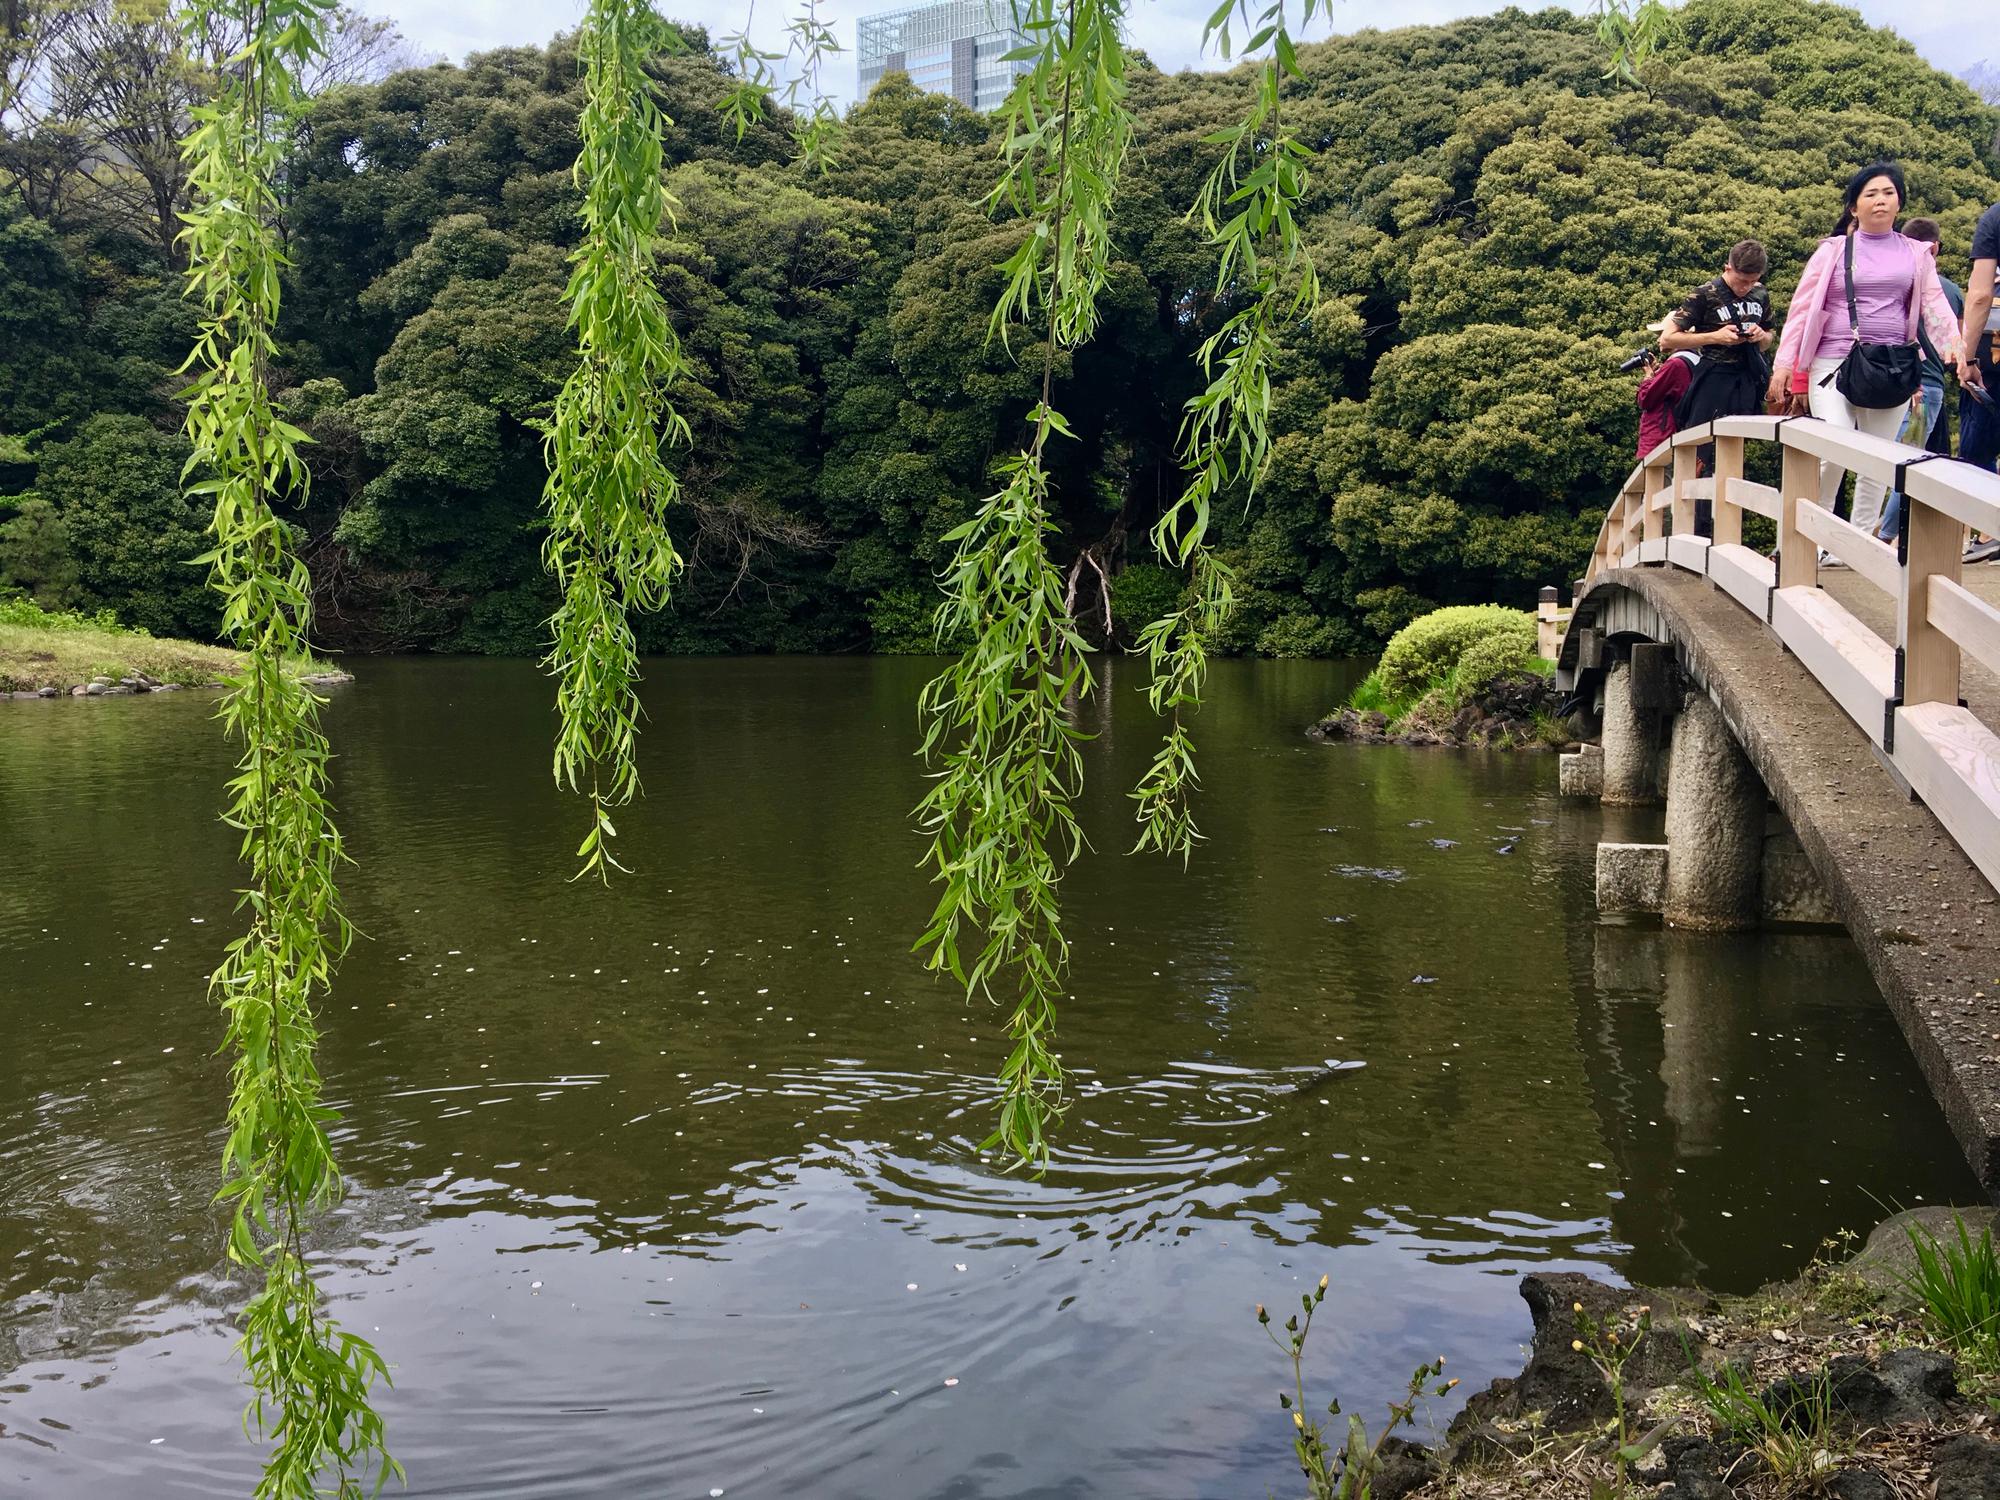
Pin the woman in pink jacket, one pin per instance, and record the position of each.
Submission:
(1895, 289)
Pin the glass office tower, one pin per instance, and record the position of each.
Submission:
(956, 48)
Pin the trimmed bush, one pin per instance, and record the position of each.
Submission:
(1431, 646)
(1495, 656)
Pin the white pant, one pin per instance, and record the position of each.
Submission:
(1884, 422)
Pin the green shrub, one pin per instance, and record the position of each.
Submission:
(1494, 656)
(1143, 593)
(1429, 648)
(20, 611)
(899, 622)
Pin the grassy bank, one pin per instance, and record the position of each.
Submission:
(63, 649)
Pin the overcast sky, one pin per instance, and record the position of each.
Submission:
(1954, 34)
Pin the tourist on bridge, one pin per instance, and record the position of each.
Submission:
(1979, 357)
(1849, 354)
(1727, 322)
(1925, 426)
(1660, 393)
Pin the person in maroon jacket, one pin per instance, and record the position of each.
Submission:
(1661, 391)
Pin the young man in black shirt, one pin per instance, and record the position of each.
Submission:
(1728, 322)
(1979, 345)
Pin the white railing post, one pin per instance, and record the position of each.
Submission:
(1684, 475)
(1656, 480)
(1798, 484)
(1728, 514)
(1927, 660)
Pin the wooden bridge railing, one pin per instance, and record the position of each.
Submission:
(1903, 694)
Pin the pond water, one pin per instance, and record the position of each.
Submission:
(675, 1188)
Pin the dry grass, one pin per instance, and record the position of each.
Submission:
(34, 657)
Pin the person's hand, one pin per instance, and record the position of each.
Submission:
(1774, 393)
(1798, 404)
(1763, 336)
(1726, 334)
(1969, 372)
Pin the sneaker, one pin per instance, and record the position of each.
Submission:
(1980, 552)
(1828, 560)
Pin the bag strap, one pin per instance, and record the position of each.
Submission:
(1853, 312)
(1914, 331)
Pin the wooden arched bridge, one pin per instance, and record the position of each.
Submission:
(1860, 695)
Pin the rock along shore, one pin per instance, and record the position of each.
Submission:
(1863, 1402)
(1510, 713)
(139, 682)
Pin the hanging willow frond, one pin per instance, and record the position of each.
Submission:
(609, 486)
(997, 722)
(1248, 208)
(309, 1377)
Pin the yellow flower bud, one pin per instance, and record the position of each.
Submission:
(1298, 1421)
(1576, 1344)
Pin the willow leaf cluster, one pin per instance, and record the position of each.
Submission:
(1632, 33)
(810, 43)
(1248, 207)
(998, 730)
(609, 485)
(310, 1379)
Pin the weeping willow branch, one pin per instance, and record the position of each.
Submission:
(609, 485)
(997, 727)
(810, 43)
(310, 1378)
(1248, 209)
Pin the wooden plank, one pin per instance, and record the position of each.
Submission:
(1630, 558)
(1872, 560)
(1952, 761)
(1693, 437)
(1966, 494)
(1653, 550)
(1690, 552)
(1759, 499)
(1798, 558)
(1754, 426)
(1855, 666)
(1700, 489)
(1746, 576)
(1728, 528)
(1968, 619)
(1875, 457)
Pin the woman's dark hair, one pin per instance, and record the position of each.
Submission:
(1858, 183)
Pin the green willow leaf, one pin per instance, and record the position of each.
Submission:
(310, 1379)
(997, 724)
(609, 487)
(1225, 431)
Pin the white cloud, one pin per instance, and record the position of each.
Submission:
(1168, 30)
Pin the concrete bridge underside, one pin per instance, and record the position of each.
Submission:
(1924, 918)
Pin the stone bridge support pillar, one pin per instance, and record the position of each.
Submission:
(1634, 728)
(1715, 825)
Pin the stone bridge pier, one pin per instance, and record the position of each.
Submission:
(1728, 863)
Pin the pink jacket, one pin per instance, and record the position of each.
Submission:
(1799, 343)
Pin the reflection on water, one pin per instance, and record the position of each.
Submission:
(678, 1186)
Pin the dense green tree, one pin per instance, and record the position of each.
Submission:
(115, 489)
(1494, 221)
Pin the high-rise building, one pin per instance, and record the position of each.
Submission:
(957, 47)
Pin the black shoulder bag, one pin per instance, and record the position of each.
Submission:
(1878, 376)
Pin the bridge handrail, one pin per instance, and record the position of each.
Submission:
(1903, 694)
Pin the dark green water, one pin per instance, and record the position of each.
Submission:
(674, 1188)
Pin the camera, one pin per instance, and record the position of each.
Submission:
(1643, 357)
